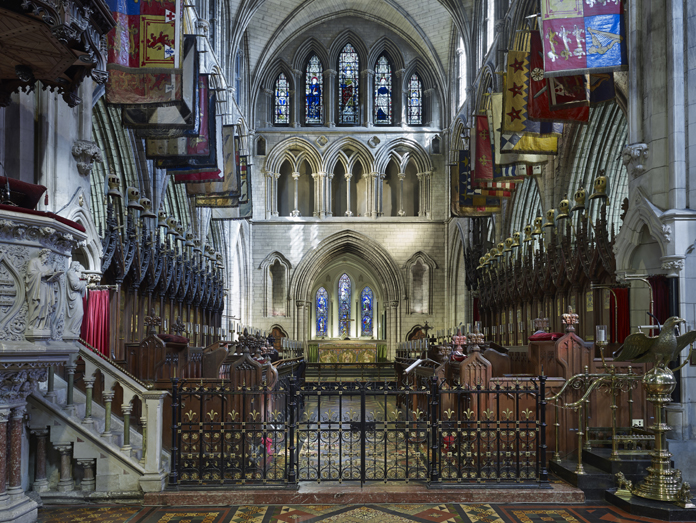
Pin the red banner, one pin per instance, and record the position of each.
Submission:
(483, 164)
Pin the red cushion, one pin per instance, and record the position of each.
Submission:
(545, 336)
(24, 194)
(173, 338)
(60, 219)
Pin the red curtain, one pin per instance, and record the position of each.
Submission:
(95, 324)
(621, 328)
(477, 315)
(660, 297)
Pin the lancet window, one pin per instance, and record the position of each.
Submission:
(314, 82)
(366, 315)
(415, 101)
(322, 312)
(383, 92)
(348, 76)
(282, 101)
(344, 297)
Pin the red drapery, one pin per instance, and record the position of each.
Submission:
(477, 315)
(621, 328)
(660, 297)
(95, 324)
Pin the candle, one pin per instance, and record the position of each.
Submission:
(601, 332)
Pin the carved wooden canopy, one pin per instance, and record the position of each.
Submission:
(56, 42)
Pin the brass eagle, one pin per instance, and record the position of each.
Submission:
(661, 349)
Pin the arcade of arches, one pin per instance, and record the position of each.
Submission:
(314, 186)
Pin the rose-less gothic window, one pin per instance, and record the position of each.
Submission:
(282, 101)
(348, 75)
(366, 298)
(314, 81)
(415, 101)
(383, 92)
(344, 296)
(322, 312)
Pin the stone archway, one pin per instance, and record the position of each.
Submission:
(388, 277)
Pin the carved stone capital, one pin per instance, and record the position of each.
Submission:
(673, 265)
(16, 385)
(634, 157)
(330, 73)
(85, 154)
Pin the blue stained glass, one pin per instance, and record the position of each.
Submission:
(366, 301)
(344, 296)
(282, 101)
(314, 80)
(348, 71)
(322, 312)
(383, 91)
(415, 101)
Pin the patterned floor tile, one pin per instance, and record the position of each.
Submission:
(189, 515)
(89, 514)
(544, 516)
(481, 514)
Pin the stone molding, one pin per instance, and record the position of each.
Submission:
(16, 385)
(634, 156)
(86, 153)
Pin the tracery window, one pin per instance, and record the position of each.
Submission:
(314, 81)
(366, 316)
(383, 92)
(415, 101)
(348, 76)
(344, 296)
(282, 101)
(322, 308)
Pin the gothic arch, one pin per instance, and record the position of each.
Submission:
(271, 75)
(306, 50)
(425, 287)
(271, 289)
(385, 45)
(393, 151)
(337, 152)
(294, 150)
(343, 38)
(348, 242)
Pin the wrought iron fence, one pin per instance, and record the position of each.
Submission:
(359, 432)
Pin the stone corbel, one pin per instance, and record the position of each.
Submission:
(673, 265)
(85, 154)
(634, 157)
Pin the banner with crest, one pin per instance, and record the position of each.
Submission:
(466, 200)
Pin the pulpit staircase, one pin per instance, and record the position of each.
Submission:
(109, 458)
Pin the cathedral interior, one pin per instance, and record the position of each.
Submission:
(318, 260)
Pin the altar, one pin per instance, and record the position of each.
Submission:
(346, 351)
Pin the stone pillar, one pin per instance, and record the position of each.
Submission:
(143, 424)
(70, 369)
(274, 192)
(299, 320)
(368, 92)
(368, 193)
(297, 114)
(320, 194)
(401, 212)
(4, 418)
(89, 387)
(107, 398)
(393, 327)
(348, 177)
(328, 193)
(269, 194)
(89, 483)
(154, 478)
(66, 483)
(380, 199)
(375, 182)
(329, 97)
(40, 479)
(126, 409)
(16, 432)
(51, 394)
(296, 211)
(421, 194)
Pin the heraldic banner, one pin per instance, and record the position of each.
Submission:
(583, 37)
(467, 201)
(145, 52)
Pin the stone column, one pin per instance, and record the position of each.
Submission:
(393, 327)
(126, 409)
(328, 190)
(374, 182)
(299, 320)
(380, 199)
(70, 369)
(154, 477)
(348, 177)
(89, 387)
(107, 398)
(401, 212)
(296, 211)
(269, 194)
(40, 479)
(274, 191)
(421, 194)
(329, 97)
(320, 194)
(16, 431)
(66, 483)
(89, 483)
(368, 193)
(368, 90)
(51, 393)
(4, 418)
(297, 114)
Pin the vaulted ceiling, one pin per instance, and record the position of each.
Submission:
(271, 24)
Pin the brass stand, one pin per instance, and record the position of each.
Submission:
(663, 483)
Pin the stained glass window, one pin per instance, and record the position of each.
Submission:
(344, 296)
(322, 312)
(314, 81)
(415, 101)
(348, 75)
(282, 101)
(383, 92)
(366, 311)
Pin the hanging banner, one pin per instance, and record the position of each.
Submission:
(509, 158)
(483, 166)
(467, 201)
(242, 208)
(227, 192)
(567, 100)
(145, 52)
(583, 37)
(602, 88)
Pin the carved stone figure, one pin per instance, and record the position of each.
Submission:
(74, 309)
(40, 293)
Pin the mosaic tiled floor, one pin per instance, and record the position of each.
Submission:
(402, 513)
